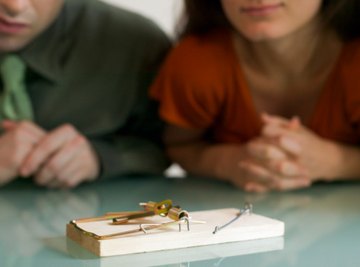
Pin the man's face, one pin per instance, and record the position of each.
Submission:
(22, 20)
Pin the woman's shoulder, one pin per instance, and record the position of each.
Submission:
(351, 52)
(200, 60)
(349, 75)
(204, 50)
(349, 62)
(198, 65)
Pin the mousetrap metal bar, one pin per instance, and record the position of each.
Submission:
(247, 209)
(164, 208)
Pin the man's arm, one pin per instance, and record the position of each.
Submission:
(136, 147)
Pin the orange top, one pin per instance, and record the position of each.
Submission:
(201, 86)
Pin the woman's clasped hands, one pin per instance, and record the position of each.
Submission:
(285, 156)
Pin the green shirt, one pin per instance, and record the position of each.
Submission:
(92, 68)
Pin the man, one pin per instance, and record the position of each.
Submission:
(82, 110)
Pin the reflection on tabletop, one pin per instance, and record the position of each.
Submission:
(29, 220)
(317, 220)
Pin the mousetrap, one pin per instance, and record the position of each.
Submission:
(163, 226)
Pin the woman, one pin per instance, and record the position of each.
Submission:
(265, 94)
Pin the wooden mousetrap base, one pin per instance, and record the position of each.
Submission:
(247, 227)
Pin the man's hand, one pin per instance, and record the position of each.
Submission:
(16, 143)
(63, 158)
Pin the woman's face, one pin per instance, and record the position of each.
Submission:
(260, 20)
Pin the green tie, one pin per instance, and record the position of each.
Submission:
(15, 104)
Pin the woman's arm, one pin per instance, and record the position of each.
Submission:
(323, 159)
(255, 166)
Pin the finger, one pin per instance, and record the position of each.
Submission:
(74, 178)
(262, 180)
(291, 184)
(71, 164)
(290, 145)
(56, 166)
(274, 131)
(24, 138)
(294, 123)
(286, 168)
(16, 145)
(19, 147)
(72, 174)
(34, 129)
(75, 173)
(7, 176)
(257, 173)
(44, 177)
(284, 138)
(276, 120)
(265, 151)
(48, 146)
(8, 125)
(48, 179)
(255, 188)
(27, 126)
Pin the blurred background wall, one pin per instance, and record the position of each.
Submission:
(164, 12)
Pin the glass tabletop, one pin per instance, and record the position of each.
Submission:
(322, 223)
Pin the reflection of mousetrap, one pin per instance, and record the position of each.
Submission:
(162, 226)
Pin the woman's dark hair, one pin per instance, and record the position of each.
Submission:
(200, 16)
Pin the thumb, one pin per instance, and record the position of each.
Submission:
(8, 125)
(294, 123)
